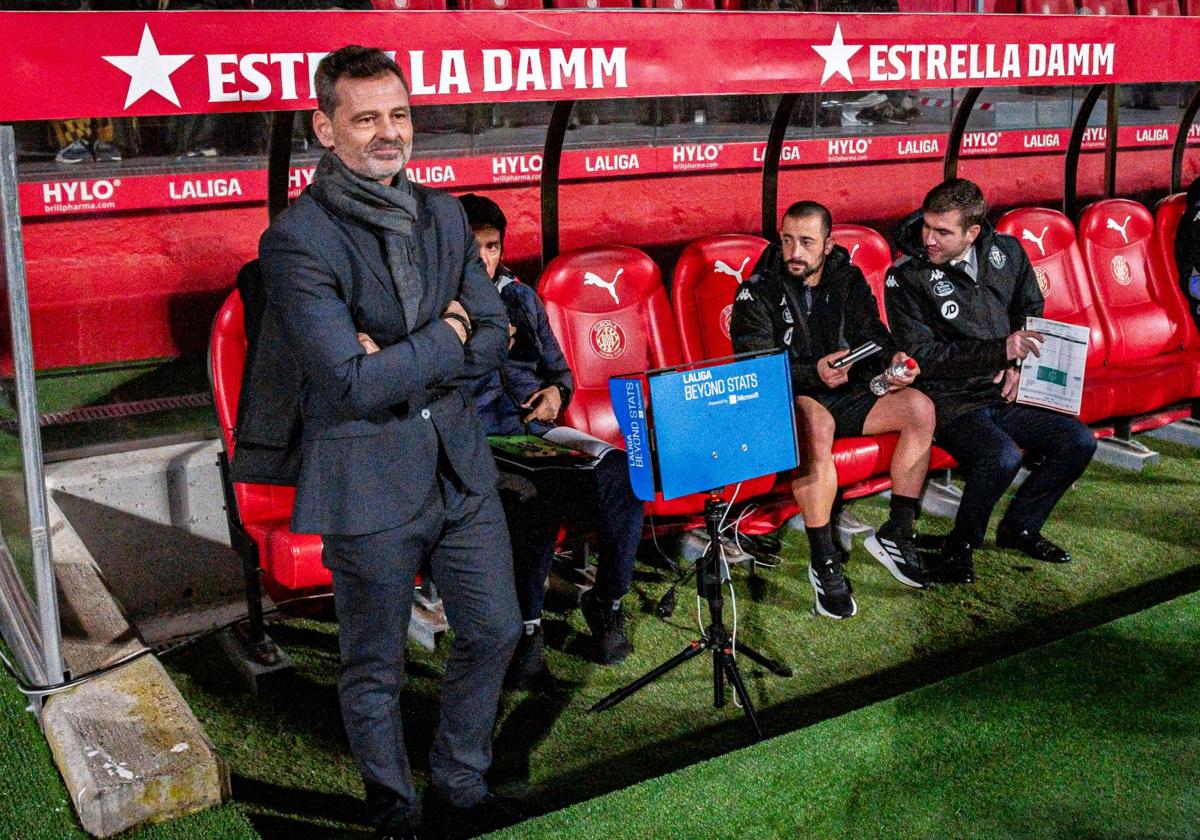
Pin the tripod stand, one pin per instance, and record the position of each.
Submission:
(715, 638)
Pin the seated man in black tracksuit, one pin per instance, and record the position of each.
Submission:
(525, 396)
(807, 296)
(958, 302)
(1187, 251)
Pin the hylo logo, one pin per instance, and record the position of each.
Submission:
(1120, 270)
(608, 339)
(72, 191)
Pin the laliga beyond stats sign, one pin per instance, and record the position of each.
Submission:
(706, 427)
(74, 64)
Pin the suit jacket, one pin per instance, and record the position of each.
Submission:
(376, 427)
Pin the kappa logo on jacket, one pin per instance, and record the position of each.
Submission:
(745, 294)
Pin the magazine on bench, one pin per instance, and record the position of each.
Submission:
(560, 448)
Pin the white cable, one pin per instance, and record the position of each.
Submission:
(733, 637)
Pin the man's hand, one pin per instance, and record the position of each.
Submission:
(1023, 342)
(910, 374)
(367, 344)
(543, 405)
(512, 336)
(833, 377)
(456, 308)
(1012, 380)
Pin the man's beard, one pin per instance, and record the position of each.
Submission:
(808, 271)
(377, 170)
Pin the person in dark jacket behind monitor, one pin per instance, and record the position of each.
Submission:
(525, 396)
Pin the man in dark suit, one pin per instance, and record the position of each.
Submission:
(395, 471)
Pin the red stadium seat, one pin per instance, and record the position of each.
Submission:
(1150, 341)
(609, 310)
(1048, 7)
(1103, 7)
(289, 561)
(870, 252)
(708, 5)
(410, 5)
(1191, 7)
(1167, 214)
(706, 278)
(1156, 8)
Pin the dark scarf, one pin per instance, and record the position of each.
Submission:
(390, 212)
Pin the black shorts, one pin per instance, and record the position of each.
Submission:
(849, 405)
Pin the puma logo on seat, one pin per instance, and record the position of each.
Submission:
(1119, 228)
(854, 250)
(590, 279)
(721, 267)
(1028, 236)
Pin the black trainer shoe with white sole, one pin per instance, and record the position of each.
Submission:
(897, 551)
(832, 590)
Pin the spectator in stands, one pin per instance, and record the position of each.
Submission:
(1187, 251)
(395, 471)
(807, 296)
(85, 140)
(957, 301)
(525, 396)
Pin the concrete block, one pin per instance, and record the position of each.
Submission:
(131, 751)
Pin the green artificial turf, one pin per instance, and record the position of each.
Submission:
(34, 804)
(1135, 537)
(1093, 736)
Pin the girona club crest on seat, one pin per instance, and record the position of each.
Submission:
(1120, 270)
(727, 320)
(608, 339)
(1043, 280)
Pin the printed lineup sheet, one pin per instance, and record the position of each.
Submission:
(1054, 380)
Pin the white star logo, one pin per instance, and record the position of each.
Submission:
(148, 70)
(837, 57)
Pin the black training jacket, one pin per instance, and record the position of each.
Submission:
(1187, 251)
(956, 327)
(844, 315)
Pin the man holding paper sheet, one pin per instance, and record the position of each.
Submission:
(958, 302)
(806, 295)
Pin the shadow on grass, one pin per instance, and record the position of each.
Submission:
(645, 761)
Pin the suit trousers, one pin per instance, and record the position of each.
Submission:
(463, 541)
(600, 498)
(987, 442)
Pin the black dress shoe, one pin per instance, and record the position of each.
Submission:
(1034, 545)
(956, 564)
(448, 821)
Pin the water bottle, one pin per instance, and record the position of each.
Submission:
(883, 382)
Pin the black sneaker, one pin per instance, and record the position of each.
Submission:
(897, 551)
(493, 812)
(75, 152)
(105, 152)
(610, 644)
(832, 590)
(956, 564)
(1032, 545)
(528, 666)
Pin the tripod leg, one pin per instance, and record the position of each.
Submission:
(718, 677)
(735, 677)
(694, 649)
(773, 665)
